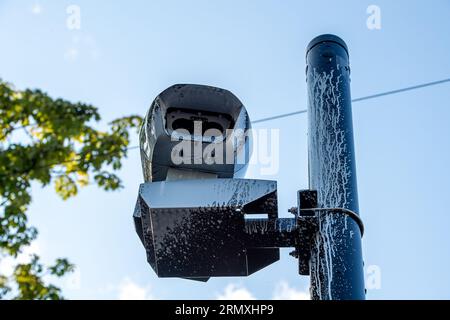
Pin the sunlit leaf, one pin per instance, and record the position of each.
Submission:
(64, 149)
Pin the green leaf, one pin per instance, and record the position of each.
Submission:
(62, 148)
(65, 187)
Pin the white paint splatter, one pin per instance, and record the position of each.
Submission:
(332, 175)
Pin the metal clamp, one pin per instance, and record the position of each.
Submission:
(348, 212)
(306, 214)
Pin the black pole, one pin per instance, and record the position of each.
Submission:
(336, 265)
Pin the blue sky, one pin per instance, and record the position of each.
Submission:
(126, 52)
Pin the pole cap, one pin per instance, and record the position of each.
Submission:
(326, 38)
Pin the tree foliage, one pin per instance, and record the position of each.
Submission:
(52, 142)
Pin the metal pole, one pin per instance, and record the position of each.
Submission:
(336, 264)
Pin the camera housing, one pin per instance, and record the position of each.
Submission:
(197, 116)
(192, 215)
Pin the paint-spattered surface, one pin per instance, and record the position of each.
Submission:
(336, 264)
(197, 228)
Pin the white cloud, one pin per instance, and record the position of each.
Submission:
(129, 290)
(235, 292)
(33, 248)
(8, 264)
(284, 292)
